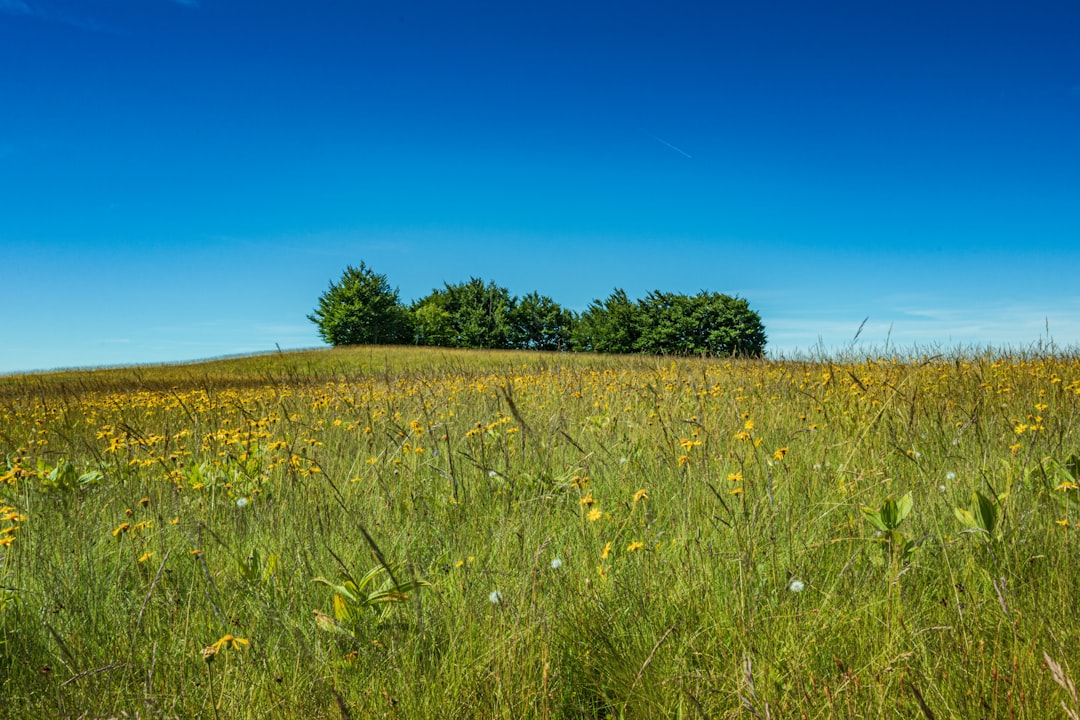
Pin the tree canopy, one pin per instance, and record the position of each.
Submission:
(362, 308)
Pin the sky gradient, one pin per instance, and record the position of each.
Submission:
(181, 179)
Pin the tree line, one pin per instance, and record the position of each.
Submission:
(362, 308)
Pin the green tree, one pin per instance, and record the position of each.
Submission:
(728, 325)
(539, 323)
(669, 325)
(362, 308)
(473, 314)
(608, 326)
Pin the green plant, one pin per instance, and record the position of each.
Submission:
(362, 308)
(64, 478)
(887, 519)
(353, 599)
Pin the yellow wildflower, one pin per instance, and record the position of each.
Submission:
(635, 546)
(641, 494)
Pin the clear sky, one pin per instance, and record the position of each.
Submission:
(182, 179)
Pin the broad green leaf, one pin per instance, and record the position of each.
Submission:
(903, 508)
(873, 517)
(985, 511)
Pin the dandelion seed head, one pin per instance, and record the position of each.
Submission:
(495, 597)
(556, 563)
(950, 476)
(241, 502)
(796, 586)
(492, 473)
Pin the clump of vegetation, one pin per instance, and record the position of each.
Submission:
(408, 533)
(362, 308)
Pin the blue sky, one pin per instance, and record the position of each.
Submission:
(181, 179)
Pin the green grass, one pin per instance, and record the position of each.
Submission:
(467, 474)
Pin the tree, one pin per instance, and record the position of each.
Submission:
(362, 308)
(609, 326)
(706, 324)
(539, 323)
(466, 315)
(729, 325)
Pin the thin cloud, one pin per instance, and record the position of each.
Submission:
(16, 7)
(22, 8)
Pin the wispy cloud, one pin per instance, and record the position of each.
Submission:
(15, 7)
(24, 8)
(1000, 325)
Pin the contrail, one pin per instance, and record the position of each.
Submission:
(662, 141)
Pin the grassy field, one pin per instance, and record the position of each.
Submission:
(400, 533)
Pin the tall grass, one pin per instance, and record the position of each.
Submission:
(529, 535)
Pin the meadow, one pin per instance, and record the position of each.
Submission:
(418, 533)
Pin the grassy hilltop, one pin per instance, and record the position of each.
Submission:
(403, 533)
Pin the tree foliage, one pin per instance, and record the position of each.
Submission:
(362, 308)
(539, 323)
(708, 323)
(609, 326)
(472, 314)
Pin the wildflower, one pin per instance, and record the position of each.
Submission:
(641, 494)
(495, 597)
(796, 586)
(587, 500)
(780, 453)
(1064, 522)
(735, 476)
(121, 529)
(605, 552)
(556, 563)
(684, 460)
(742, 436)
(145, 556)
(950, 476)
(226, 641)
(687, 444)
(241, 502)
(635, 546)
(594, 515)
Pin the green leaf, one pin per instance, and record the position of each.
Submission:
(985, 512)
(965, 517)
(904, 508)
(873, 517)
